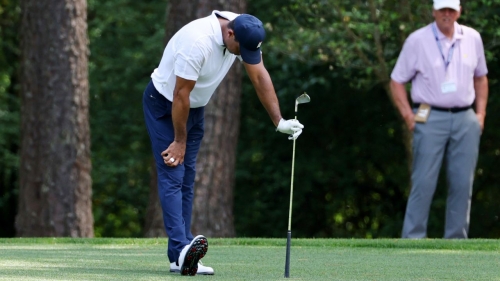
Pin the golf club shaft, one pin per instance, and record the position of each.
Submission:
(289, 233)
(304, 98)
(291, 187)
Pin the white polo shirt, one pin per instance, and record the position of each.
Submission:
(195, 52)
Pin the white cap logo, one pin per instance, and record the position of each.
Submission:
(258, 46)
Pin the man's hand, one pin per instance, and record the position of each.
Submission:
(410, 121)
(480, 118)
(291, 127)
(174, 154)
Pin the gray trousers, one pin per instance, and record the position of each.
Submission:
(456, 137)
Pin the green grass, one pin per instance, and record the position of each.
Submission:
(252, 259)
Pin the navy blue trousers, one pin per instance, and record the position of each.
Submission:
(175, 184)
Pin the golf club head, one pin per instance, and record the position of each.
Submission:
(304, 98)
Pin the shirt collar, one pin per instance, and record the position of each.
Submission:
(214, 21)
(457, 35)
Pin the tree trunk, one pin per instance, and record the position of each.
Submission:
(55, 183)
(214, 183)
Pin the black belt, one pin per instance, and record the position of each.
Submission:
(451, 109)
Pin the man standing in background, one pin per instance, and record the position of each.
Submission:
(445, 63)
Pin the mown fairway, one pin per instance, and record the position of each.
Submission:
(252, 259)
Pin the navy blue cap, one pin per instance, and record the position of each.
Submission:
(250, 33)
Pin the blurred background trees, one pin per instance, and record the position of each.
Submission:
(9, 114)
(351, 173)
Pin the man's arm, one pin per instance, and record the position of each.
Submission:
(180, 113)
(400, 97)
(481, 88)
(263, 85)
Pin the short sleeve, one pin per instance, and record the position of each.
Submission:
(189, 60)
(481, 69)
(406, 65)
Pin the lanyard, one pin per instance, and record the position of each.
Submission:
(450, 52)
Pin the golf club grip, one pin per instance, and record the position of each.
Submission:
(287, 259)
(291, 189)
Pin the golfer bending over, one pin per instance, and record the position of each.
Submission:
(194, 62)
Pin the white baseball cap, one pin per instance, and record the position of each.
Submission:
(452, 4)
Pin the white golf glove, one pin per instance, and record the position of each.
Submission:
(291, 127)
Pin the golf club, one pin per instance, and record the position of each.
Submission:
(304, 98)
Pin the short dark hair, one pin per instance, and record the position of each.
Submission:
(230, 25)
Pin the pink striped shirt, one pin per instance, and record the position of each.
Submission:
(421, 62)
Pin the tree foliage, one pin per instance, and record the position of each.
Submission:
(341, 53)
(363, 38)
(9, 114)
(350, 167)
(126, 39)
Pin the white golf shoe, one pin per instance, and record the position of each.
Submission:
(202, 270)
(191, 255)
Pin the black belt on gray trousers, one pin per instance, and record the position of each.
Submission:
(451, 109)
